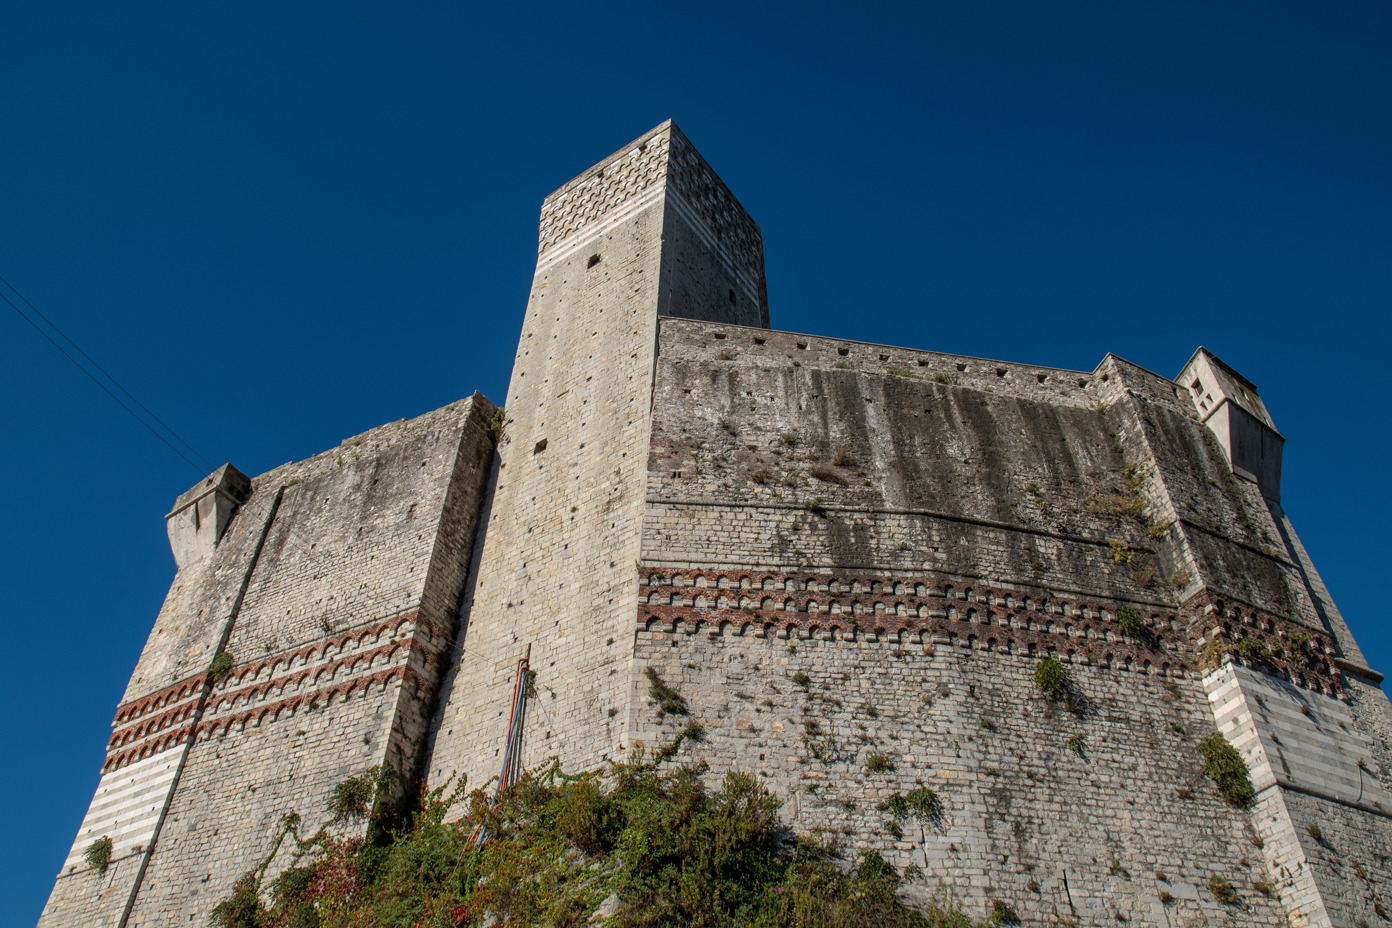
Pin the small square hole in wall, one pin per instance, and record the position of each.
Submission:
(884, 357)
(540, 447)
(760, 341)
(961, 367)
(843, 351)
(802, 346)
(594, 259)
(719, 334)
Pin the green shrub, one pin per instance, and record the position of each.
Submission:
(1225, 766)
(922, 803)
(1052, 678)
(1130, 622)
(221, 666)
(1222, 890)
(98, 854)
(497, 426)
(1253, 650)
(1121, 551)
(669, 701)
(556, 846)
(879, 763)
(242, 909)
(1002, 914)
(801, 679)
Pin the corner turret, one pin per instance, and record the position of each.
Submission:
(201, 514)
(1229, 405)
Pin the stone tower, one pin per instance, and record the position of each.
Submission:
(649, 232)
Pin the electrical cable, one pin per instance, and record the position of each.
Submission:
(103, 386)
(290, 535)
(105, 374)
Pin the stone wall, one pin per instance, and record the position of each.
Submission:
(861, 496)
(1093, 817)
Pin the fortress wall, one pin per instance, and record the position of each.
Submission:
(1088, 837)
(356, 533)
(152, 724)
(771, 464)
(770, 473)
(240, 783)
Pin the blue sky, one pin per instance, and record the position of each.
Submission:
(280, 225)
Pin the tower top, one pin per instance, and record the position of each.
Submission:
(661, 164)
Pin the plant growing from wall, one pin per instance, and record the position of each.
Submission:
(1212, 656)
(1226, 768)
(669, 701)
(1253, 650)
(1298, 644)
(879, 763)
(1130, 623)
(98, 854)
(497, 426)
(921, 802)
(1222, 890)
(220, 667)
(1002, 914)
(1052, 679)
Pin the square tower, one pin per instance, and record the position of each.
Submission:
(650, 231)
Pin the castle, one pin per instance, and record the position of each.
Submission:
(849, 559)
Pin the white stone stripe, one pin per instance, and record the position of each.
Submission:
(126, 806)
(583, 233)
(707, 234)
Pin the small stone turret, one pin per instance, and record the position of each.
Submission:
(201, 514)
(1229, 405)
